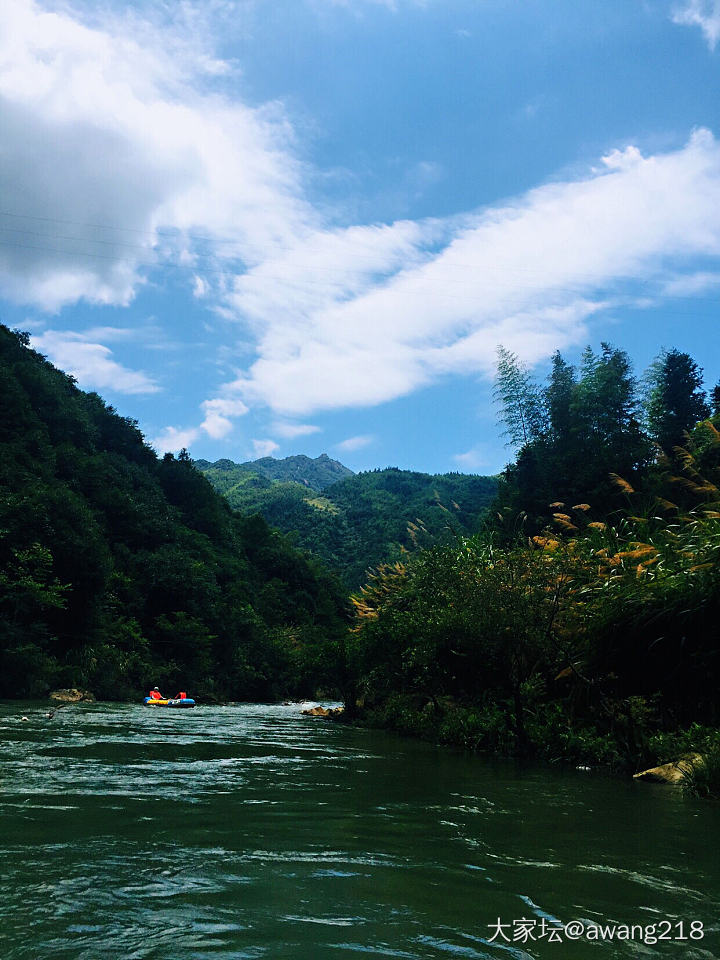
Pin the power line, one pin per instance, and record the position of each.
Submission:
(62, 236)
(179, 233)
(579, 288)
(79, 223)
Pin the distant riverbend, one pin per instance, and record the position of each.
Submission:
(248, 831)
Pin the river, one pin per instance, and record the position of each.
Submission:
(253, 832)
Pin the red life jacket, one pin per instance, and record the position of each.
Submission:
(181, 696)
(155, 695)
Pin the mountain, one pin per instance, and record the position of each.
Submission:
(119, 570)
(363, 519)
(313, 474)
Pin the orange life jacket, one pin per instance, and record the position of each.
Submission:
(156, 695)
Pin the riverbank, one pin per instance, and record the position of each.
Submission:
(552, 739)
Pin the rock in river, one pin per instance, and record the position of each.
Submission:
(322, 712)
(72, 695)
(673, 772)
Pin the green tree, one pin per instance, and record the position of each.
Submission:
(28, 585)
(559, 398)
(675, 398)
(715, 400)
(521, 404)
(606, 424)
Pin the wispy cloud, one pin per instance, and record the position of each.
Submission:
(355, 443)
(692, 284)
(362, 316)
(701, 13)
(265, 448)
(141, 158)
(148, 158)
(472, 459)
(354, 5)
(92, 363)
(174, 439)
(292, 430)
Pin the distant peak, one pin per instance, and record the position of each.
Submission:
(316, 473)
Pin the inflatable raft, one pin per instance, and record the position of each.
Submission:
(183, 704)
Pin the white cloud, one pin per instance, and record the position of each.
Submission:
(701, 13)
(293, 430)
(140, 157)
(365, 315)
(91, 363)
(472, 459)
(200, 287)
(218, 413)
(339, 316)
(265, 448)
(692, 284)
(217, 424)
(173, 439)
(355, 443)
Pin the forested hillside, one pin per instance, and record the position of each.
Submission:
(358, 522)
(584, 623)
(119, 570)
(236, 481)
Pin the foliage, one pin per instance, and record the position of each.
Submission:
(667, 745)
(312, 474)
(587, 641)
(586, 424)
(522, 408)
(675, 398)
(119, 571)
(702, 780)
(364, 519)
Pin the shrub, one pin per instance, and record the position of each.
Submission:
(702, 780)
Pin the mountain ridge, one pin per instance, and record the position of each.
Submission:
(364, 518)
(314, 473)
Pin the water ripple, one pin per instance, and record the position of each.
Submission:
(252, 832)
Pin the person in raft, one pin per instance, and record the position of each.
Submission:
(155, 694)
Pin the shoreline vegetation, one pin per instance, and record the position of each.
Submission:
(579, 622)
(582, 624)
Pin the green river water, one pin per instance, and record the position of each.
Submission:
(253, 832)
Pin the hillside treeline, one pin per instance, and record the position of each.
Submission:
(583, 621)
(120, 570)
(235, 480)
(357, 522)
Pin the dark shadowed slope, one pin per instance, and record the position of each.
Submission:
(119, 569)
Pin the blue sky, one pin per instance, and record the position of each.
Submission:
(303, 226)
